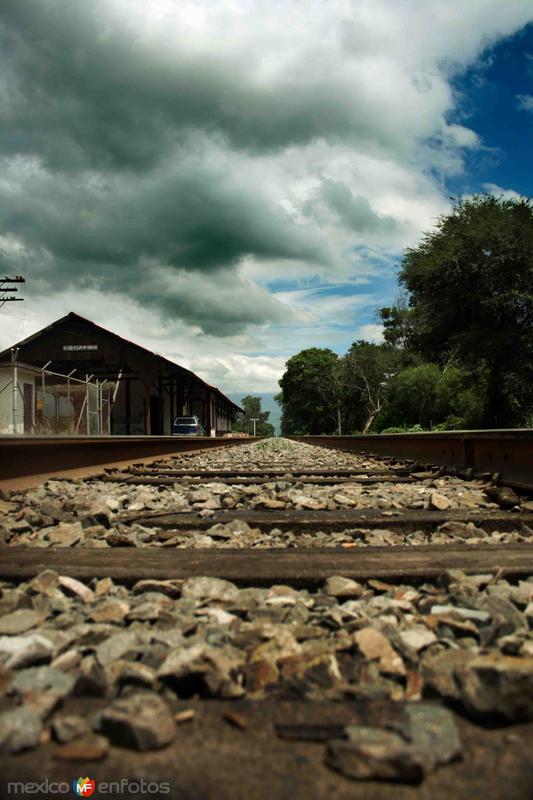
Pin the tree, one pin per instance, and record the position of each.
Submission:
(311, 392)
(398, 323)
(368, 370)
(430, 397)
(459, 399)
(470, 285)
(411, 399)
(251, 405)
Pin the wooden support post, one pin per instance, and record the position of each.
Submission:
(160, 407)
(127, 406)
(171, 399)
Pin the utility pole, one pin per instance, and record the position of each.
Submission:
(8, 289)
(254, 420)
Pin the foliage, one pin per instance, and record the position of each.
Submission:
(411, 398)
(432, 398)
(311, 392)
(403, 429)
(252, 410)
(398, 323)
(368, 371)
(470, 285)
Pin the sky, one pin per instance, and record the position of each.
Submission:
(227, 182)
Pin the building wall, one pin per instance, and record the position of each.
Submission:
(24, 376)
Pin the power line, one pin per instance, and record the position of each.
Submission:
(8, 289)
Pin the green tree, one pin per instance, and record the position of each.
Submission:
(412, 397)
(311, 392)
(368, 371)
(459, 399)
(251, 405)
(398, 323)
(470, 285)
(428, 397)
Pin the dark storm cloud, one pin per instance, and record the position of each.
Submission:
(184, 214)
(183, 219)
(85, 90)
(109, 172)
(355, 211)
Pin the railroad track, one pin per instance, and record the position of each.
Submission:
(338, 589)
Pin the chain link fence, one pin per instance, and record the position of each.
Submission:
(43, 402)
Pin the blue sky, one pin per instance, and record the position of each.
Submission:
(230, 182)
(493, 94)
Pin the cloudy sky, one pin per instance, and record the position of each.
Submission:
(229, 181)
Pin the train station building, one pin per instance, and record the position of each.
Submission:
(75, 377)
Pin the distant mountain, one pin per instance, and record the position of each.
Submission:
(267, 404)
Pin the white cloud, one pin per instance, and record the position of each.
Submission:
(507, 194)
(525, 102)
(370, 333)
(241, 373)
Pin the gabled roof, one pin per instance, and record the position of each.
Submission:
(171, 365)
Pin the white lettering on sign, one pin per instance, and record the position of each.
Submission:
(71, 347)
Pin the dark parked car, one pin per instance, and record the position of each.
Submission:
(187, 426)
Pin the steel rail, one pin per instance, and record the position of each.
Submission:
(23, 456)
(506, 454)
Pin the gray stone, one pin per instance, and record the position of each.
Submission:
(375, 754)
(433, 731)
(77, 588)
(113, 611)
(511, 619)
(53, 508)
(439, 501)
(219, 531)
(210, 667)
(19, 621)
(466, 585)
(91, 678)
(116, 647)
(238, 526)
(209, 589)
(464, 613)
(417, 637)
(171, 588)
(145, 612)
(41, 679)
(103, 587)
(67, 660)
(141, 722)
(464, 530)
(20, 729)
(133, 673)
(498, 685)
(24, 651)
(375, 646)
(65, 534)
(19, 526)
(66, 727)
(337, 586)
(43, 703)
(439, 671)
(527, 649)
(522, 594)
(47, 583)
